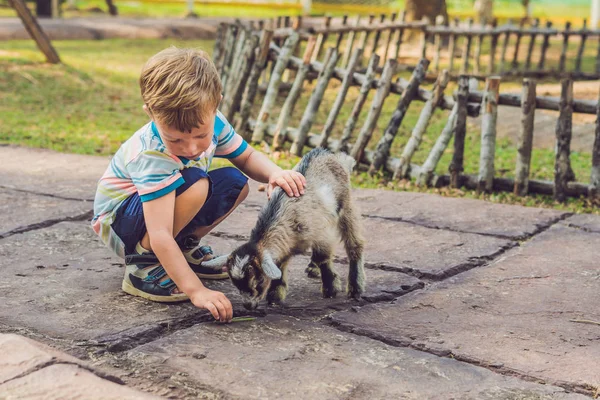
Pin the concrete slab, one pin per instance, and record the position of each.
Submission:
(63, 282)
(46, 172)
(67, 382)
(404, 247)
(587, 222)
(22, 210)
(426, 252)
(280, 357)
(531, 313)
(21, 356)
(465, 215)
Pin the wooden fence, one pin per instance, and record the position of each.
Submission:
(522, 48)
(242, 57)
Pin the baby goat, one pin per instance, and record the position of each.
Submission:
(288, 226)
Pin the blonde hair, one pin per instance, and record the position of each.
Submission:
(181, 87)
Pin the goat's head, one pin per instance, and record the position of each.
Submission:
(250, 270)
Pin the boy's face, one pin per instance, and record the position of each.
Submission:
(190, 145)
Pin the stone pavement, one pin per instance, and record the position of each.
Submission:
(465, 300)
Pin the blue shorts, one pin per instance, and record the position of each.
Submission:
(225, 185)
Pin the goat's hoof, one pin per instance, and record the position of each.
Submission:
(276, 296)
(312, 271)
(355, 292)
(331, 290)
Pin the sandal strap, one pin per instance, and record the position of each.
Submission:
(203, 251)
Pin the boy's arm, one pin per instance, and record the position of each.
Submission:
(159, 217)
(258, 167)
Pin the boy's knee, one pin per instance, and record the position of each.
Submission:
(244, 192)
(199, 190)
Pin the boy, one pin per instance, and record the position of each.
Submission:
(157, 199)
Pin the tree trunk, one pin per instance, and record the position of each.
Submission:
(43, 8)
(484, 10)
(417, 9)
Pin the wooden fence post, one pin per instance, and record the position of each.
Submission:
(581, 46)
(382, 91)
(421, 126)
(467, 49)
(365, 88)
(362, 41)
(350, 43)
(321, 39)
(233, 34)
(219, 46)
(536, 24)
(528, 99)
(493, 45)
(460, 131)
(400, 33)
(35, 31)
(239, 77)
(273, 88)
(424, 37)
(290, 102)
(439, 21)
(428, 168)
(251, 87)
(236, 60)
(563, 53)
(382, 150)
(389, 38)
(477, 57)
(564, 129)
(315, 100)
(545, 45)
(341, 95)
(489, 108)
(505, 45)
(452, 47)
(377, 35)
(595, 173)
(515, 60)
(341, 34)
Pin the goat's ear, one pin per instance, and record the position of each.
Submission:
(219, 261)
(269, 267)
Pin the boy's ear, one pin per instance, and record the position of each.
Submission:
(148, 112)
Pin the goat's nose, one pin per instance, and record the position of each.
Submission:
(250, 305)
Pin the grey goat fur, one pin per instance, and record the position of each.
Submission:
(288, 226)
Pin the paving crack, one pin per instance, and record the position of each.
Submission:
(47, 223)
(498, 368)
(538, 229)
(55, 196)
(55, 361)
(583, 229)
(473, 262)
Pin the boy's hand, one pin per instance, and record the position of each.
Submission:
(291, 182)
(215, 302)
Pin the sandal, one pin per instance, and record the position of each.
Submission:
(196, 255)
(143, 274)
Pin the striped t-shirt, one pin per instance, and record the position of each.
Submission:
(143, 165)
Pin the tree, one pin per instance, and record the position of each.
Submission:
(485, 11)
(43, 8)
(417, 9)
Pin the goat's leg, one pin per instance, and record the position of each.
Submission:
(312, 270)
(350, 231)
(278, 289)
(331, 284)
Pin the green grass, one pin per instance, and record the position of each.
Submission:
(91, 104)
(555, 10)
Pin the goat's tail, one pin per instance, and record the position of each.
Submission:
(347, 161)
